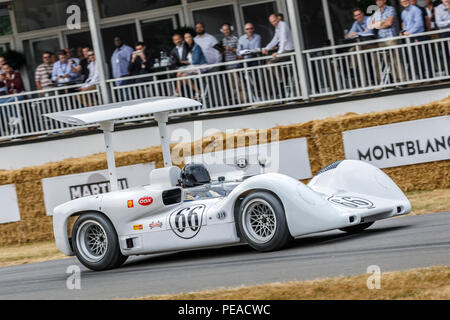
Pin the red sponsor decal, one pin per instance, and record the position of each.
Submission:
(130, 203)
(145, 201)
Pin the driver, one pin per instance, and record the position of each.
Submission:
(194, 175)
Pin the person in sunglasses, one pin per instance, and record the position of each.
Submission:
(249, 41)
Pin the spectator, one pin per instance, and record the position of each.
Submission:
(82, 68)
(120, 60)
(89, 100)
(141, 60)
(208, 44)
(179, 52)
(283, 38)
(423, 12)
(413, 23)
(442, 15)
(13, 82)
(385, 21)
(412, 19)
(94, 76)
(430, 19)
(3, 89)
(230, 44)
(249, 41)
(71, 55)
(43, 73)
(194, 57)
(360, 26)
(54, 58)
(63, 70)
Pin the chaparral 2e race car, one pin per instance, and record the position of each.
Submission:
(185, 210)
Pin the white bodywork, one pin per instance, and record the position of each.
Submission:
(351, 193)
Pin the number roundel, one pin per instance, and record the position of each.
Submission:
(186, 222)
(351, 202)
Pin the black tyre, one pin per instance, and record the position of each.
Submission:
(262, 222)
(357, 228)
(95, 242)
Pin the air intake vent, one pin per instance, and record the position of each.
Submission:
(332, 166)
(171, 197)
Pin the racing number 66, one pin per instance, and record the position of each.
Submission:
(186, 223)
(191, 221)
(351, 202)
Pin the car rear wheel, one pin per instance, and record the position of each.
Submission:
(262, 222)
(95, 243)
(357, 228)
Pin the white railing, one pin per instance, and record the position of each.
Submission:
(21, 114)
(379, 64)
(245, 83)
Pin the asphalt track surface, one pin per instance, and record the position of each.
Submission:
(394, 244)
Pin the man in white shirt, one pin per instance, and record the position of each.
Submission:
(90, 84)
(283, 38)
(207, 42)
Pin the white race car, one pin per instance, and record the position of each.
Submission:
(184, 210)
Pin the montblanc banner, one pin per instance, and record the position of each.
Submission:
(288, 157)
(59, 190)
(400, 144)
(9, 211)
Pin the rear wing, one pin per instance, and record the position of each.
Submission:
(106, 115)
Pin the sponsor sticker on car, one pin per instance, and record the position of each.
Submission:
(157, 224)
(145, 201)
(138, 227)
(130, 204)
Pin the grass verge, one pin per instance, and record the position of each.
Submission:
(29, 253)
(422, 202)
(426, 283)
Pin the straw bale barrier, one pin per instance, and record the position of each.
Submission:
(325, 145)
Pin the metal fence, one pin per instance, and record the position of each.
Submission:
(242, 83)
(21, 114)
(379, 64)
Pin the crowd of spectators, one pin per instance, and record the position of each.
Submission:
(386, 24)
(383, 23)
(197, 48)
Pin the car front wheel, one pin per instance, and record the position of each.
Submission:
(95, 242)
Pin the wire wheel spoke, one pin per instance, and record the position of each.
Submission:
(92, 241)
(259, 220)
